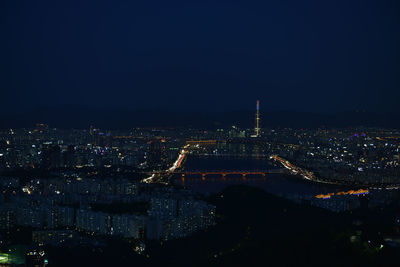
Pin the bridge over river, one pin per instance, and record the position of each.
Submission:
(227, 173)
(163, 176)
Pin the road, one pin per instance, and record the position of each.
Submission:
(158, 176)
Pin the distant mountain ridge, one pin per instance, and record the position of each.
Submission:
(82, 117)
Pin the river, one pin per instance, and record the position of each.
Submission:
(275, 183)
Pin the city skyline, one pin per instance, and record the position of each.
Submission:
(120, 118)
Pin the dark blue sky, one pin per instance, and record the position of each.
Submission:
(211, 55)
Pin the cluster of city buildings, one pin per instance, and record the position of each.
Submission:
(66, 211)
(363, 156)
(79, 202)
(50, 148)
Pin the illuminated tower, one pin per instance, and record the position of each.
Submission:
(257, 128)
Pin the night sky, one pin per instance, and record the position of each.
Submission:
(201, 55)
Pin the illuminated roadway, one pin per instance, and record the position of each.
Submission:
(299, 171)
(156, 176)
(310, 176)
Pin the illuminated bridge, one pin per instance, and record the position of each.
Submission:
(224, 173)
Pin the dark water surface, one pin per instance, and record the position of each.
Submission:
(278, 184)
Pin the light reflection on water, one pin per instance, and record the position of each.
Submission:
(278, 184)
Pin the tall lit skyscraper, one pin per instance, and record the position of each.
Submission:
(257, 130)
